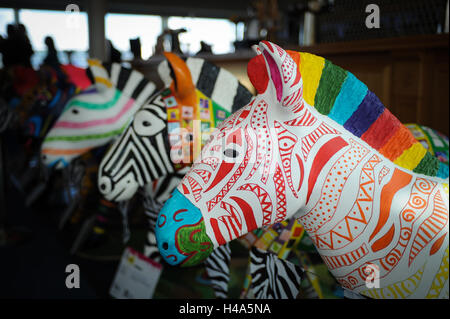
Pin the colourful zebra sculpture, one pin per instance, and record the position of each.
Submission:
(98, 114)
(317, 145)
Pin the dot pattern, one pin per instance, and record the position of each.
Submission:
(331, 191)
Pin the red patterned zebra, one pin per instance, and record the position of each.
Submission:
(378, 214)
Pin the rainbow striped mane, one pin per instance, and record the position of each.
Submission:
(338, 94)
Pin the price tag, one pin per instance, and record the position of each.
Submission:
(136, 277)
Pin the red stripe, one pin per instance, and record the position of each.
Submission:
(302, 172)
(399, 180)
(248, 213)
(323, 156)
(217, 233)
(384, 241)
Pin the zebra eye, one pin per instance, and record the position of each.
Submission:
(75, 111)
(231, 152)
(146, 123)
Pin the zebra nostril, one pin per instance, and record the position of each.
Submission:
(102, 186)
(165, 246)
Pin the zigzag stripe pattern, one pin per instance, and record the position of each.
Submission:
(357, 218)
(264, 199)
(286, 143)
(318, 216)
(280, 189)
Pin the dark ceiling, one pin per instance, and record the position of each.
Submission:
(198, 8)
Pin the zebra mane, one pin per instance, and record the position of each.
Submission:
(218, 84)
(338, 94)
(115, 75)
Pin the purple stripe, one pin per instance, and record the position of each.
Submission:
(365, 115)
(275, 75)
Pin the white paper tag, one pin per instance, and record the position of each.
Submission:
(136, 277)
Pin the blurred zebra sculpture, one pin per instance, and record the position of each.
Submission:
(317, 145)
(96, 115)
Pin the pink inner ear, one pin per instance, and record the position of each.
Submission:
(275, 75)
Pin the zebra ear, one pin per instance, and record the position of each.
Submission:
(182, 79)
(100, 76)
(284, 74)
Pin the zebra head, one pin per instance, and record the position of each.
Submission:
(142, 154)
(98, 114)
(160, 139)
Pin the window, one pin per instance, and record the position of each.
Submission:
(120, 28)
(6, 17)
(219, 33)
(69, 32)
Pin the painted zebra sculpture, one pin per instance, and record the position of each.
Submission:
(96, 115)
(317, 144)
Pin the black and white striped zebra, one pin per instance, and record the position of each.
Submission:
(272, 277)
(217, 267)
(140, 155)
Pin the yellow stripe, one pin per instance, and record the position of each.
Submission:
(311, 67)
(411, 157)
(95, 62)
(104, 81)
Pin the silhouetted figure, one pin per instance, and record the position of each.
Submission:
(69, 54)
(16, 48)
(52, 56)
(175, 41)
(135, 47)
(114, 54)
(204, 48)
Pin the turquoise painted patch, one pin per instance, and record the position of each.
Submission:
(177, 212)
(442, 171)
(350, 97)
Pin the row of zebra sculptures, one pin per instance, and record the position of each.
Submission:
(314, 157)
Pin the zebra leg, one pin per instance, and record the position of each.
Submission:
(217, 267)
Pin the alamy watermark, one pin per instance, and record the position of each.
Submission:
(73, 279)
(373, 19)
(73, 20)
(373, 279)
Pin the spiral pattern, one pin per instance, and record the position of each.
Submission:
(408, 215)
(424, 186)
(417, 202)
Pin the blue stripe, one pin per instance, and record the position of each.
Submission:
(350, 97)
